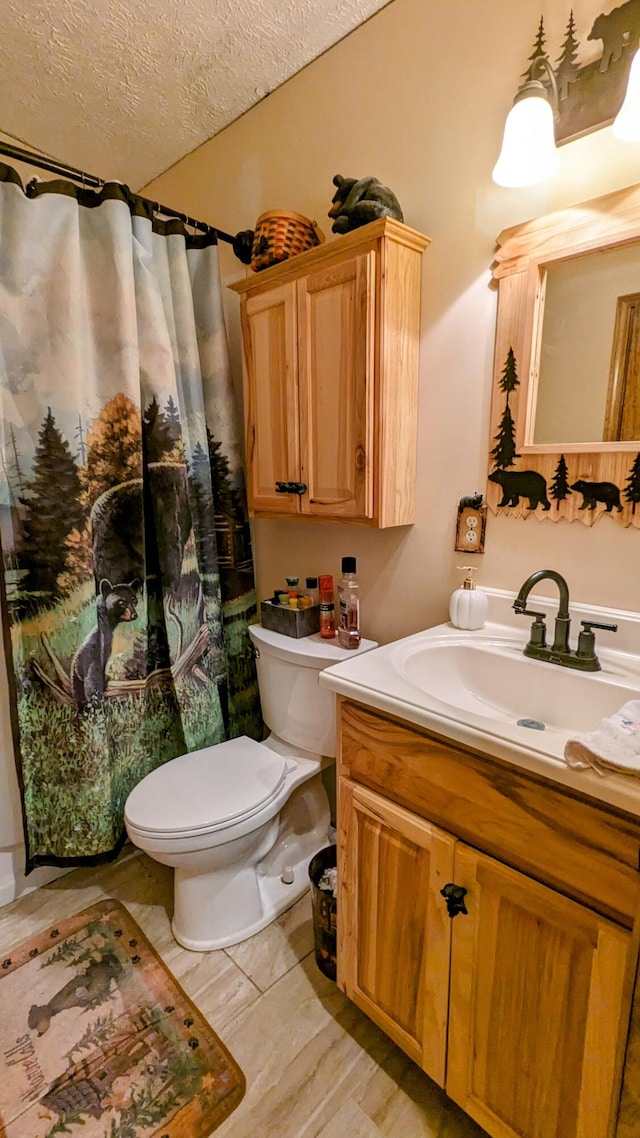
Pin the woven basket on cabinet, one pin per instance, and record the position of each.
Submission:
(279, 235)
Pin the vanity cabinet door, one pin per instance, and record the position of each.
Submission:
(272, 436)
(536, 1006)
(394, 934)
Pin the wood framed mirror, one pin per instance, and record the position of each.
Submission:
(565, 416)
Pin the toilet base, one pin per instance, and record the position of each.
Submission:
(221, 908)
(275, 898)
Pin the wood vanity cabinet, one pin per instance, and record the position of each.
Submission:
(330, 365)
(520, 1007)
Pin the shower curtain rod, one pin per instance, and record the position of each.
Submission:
(56, 167)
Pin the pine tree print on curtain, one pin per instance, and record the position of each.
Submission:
(128, 579)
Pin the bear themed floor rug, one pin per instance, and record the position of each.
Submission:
(98, 1040)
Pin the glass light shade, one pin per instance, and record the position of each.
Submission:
(528, 152)
(626, 124)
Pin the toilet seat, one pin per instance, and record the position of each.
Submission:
(207, 790)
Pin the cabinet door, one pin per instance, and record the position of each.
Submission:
(536, 1000)
(269, 327)
(393, 930)
(336, 311)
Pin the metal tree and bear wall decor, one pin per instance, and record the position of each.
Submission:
(589, 95)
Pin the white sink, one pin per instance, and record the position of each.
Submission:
(478, 689)
(492, 678)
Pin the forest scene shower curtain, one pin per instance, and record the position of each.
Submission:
(127, 578)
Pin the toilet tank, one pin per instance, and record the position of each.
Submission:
(294, 706)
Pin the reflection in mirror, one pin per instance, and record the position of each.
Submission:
(622, 412)
(589, 352)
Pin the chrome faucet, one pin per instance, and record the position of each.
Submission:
(584, 658)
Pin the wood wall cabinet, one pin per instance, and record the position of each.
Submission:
(330, 364)
(520, 1007)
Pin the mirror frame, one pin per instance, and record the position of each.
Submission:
(523, 253)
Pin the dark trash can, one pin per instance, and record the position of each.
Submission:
(325, 908)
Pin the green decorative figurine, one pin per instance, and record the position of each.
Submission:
(357, 201)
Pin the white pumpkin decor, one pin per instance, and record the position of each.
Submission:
(468, 607)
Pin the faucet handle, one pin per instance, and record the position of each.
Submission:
(538, 633)
(586, 649)
(589, 624)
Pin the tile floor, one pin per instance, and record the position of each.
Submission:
(315, 1066)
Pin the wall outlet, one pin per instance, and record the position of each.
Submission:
(470, 529)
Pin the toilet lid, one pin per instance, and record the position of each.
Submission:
(206, 790)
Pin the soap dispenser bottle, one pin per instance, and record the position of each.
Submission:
(468, 607)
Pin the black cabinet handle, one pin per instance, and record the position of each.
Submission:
(454, 895)
(291, 488)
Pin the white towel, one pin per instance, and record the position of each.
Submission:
(614, 747)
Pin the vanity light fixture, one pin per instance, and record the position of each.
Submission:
(558, 103)
(528, 153)
(626, 125)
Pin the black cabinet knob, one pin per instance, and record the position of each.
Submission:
(291, 488)
(454, 896)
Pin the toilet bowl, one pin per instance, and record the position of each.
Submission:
(239, 821)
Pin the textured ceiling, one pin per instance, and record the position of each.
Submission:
(124, 89)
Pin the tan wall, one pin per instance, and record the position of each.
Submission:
(418, 97)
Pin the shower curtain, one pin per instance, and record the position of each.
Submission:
(127, 578)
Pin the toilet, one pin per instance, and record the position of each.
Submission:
(240, 821)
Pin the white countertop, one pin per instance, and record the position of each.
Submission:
(376, 680)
